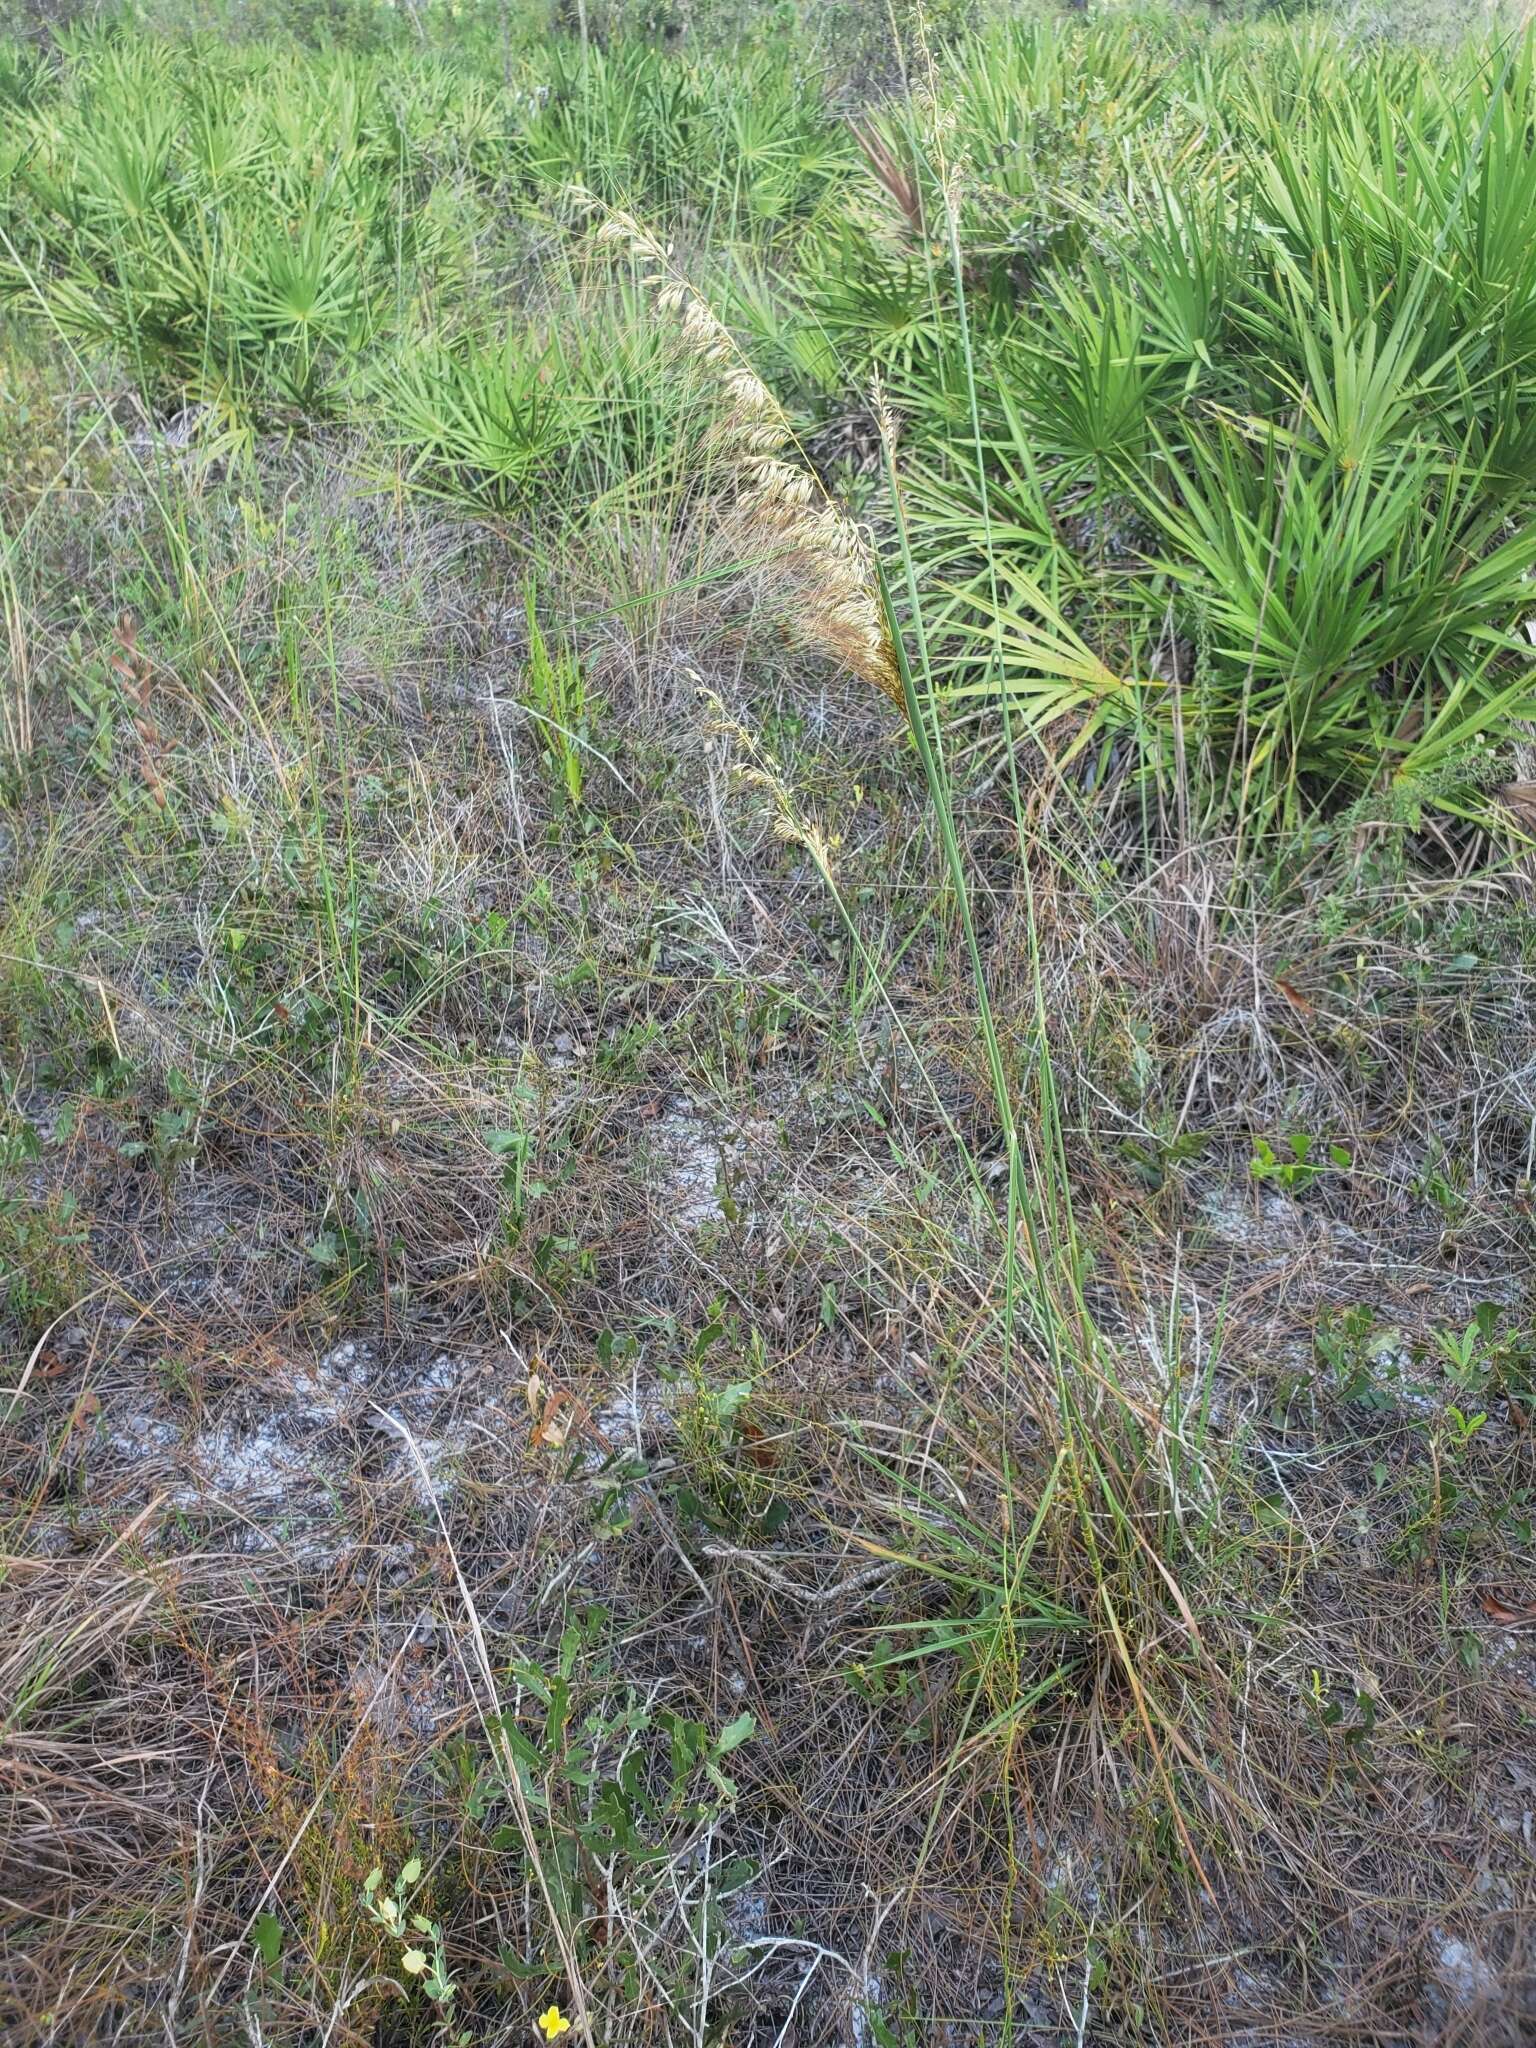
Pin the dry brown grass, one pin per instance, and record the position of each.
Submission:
(240, 1669)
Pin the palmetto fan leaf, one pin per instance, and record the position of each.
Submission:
(481, 420)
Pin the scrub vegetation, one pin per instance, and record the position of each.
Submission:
(768, 1025)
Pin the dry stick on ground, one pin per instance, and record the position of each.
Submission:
(759, 1567)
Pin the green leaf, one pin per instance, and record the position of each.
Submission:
(734, 1734)
(267, 1934)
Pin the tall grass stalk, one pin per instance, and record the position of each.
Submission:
(16, 699)
(1043, 1263)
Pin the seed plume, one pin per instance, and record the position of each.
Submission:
(816, 541)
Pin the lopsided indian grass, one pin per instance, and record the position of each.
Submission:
(854, 618)
(817, 545)
(1044, 1262)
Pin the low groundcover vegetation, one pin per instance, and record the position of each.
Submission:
(768, 1021)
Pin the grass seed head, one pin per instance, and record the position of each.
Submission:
(817, 547)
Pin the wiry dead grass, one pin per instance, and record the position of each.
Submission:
(1231, 1746)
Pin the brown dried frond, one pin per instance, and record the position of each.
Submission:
(899, 183)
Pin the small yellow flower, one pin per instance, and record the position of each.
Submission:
(553, 2023)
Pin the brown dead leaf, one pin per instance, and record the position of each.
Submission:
(1294, 997)
(553, 1428)
(762, 1453)
(1507, 1614)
